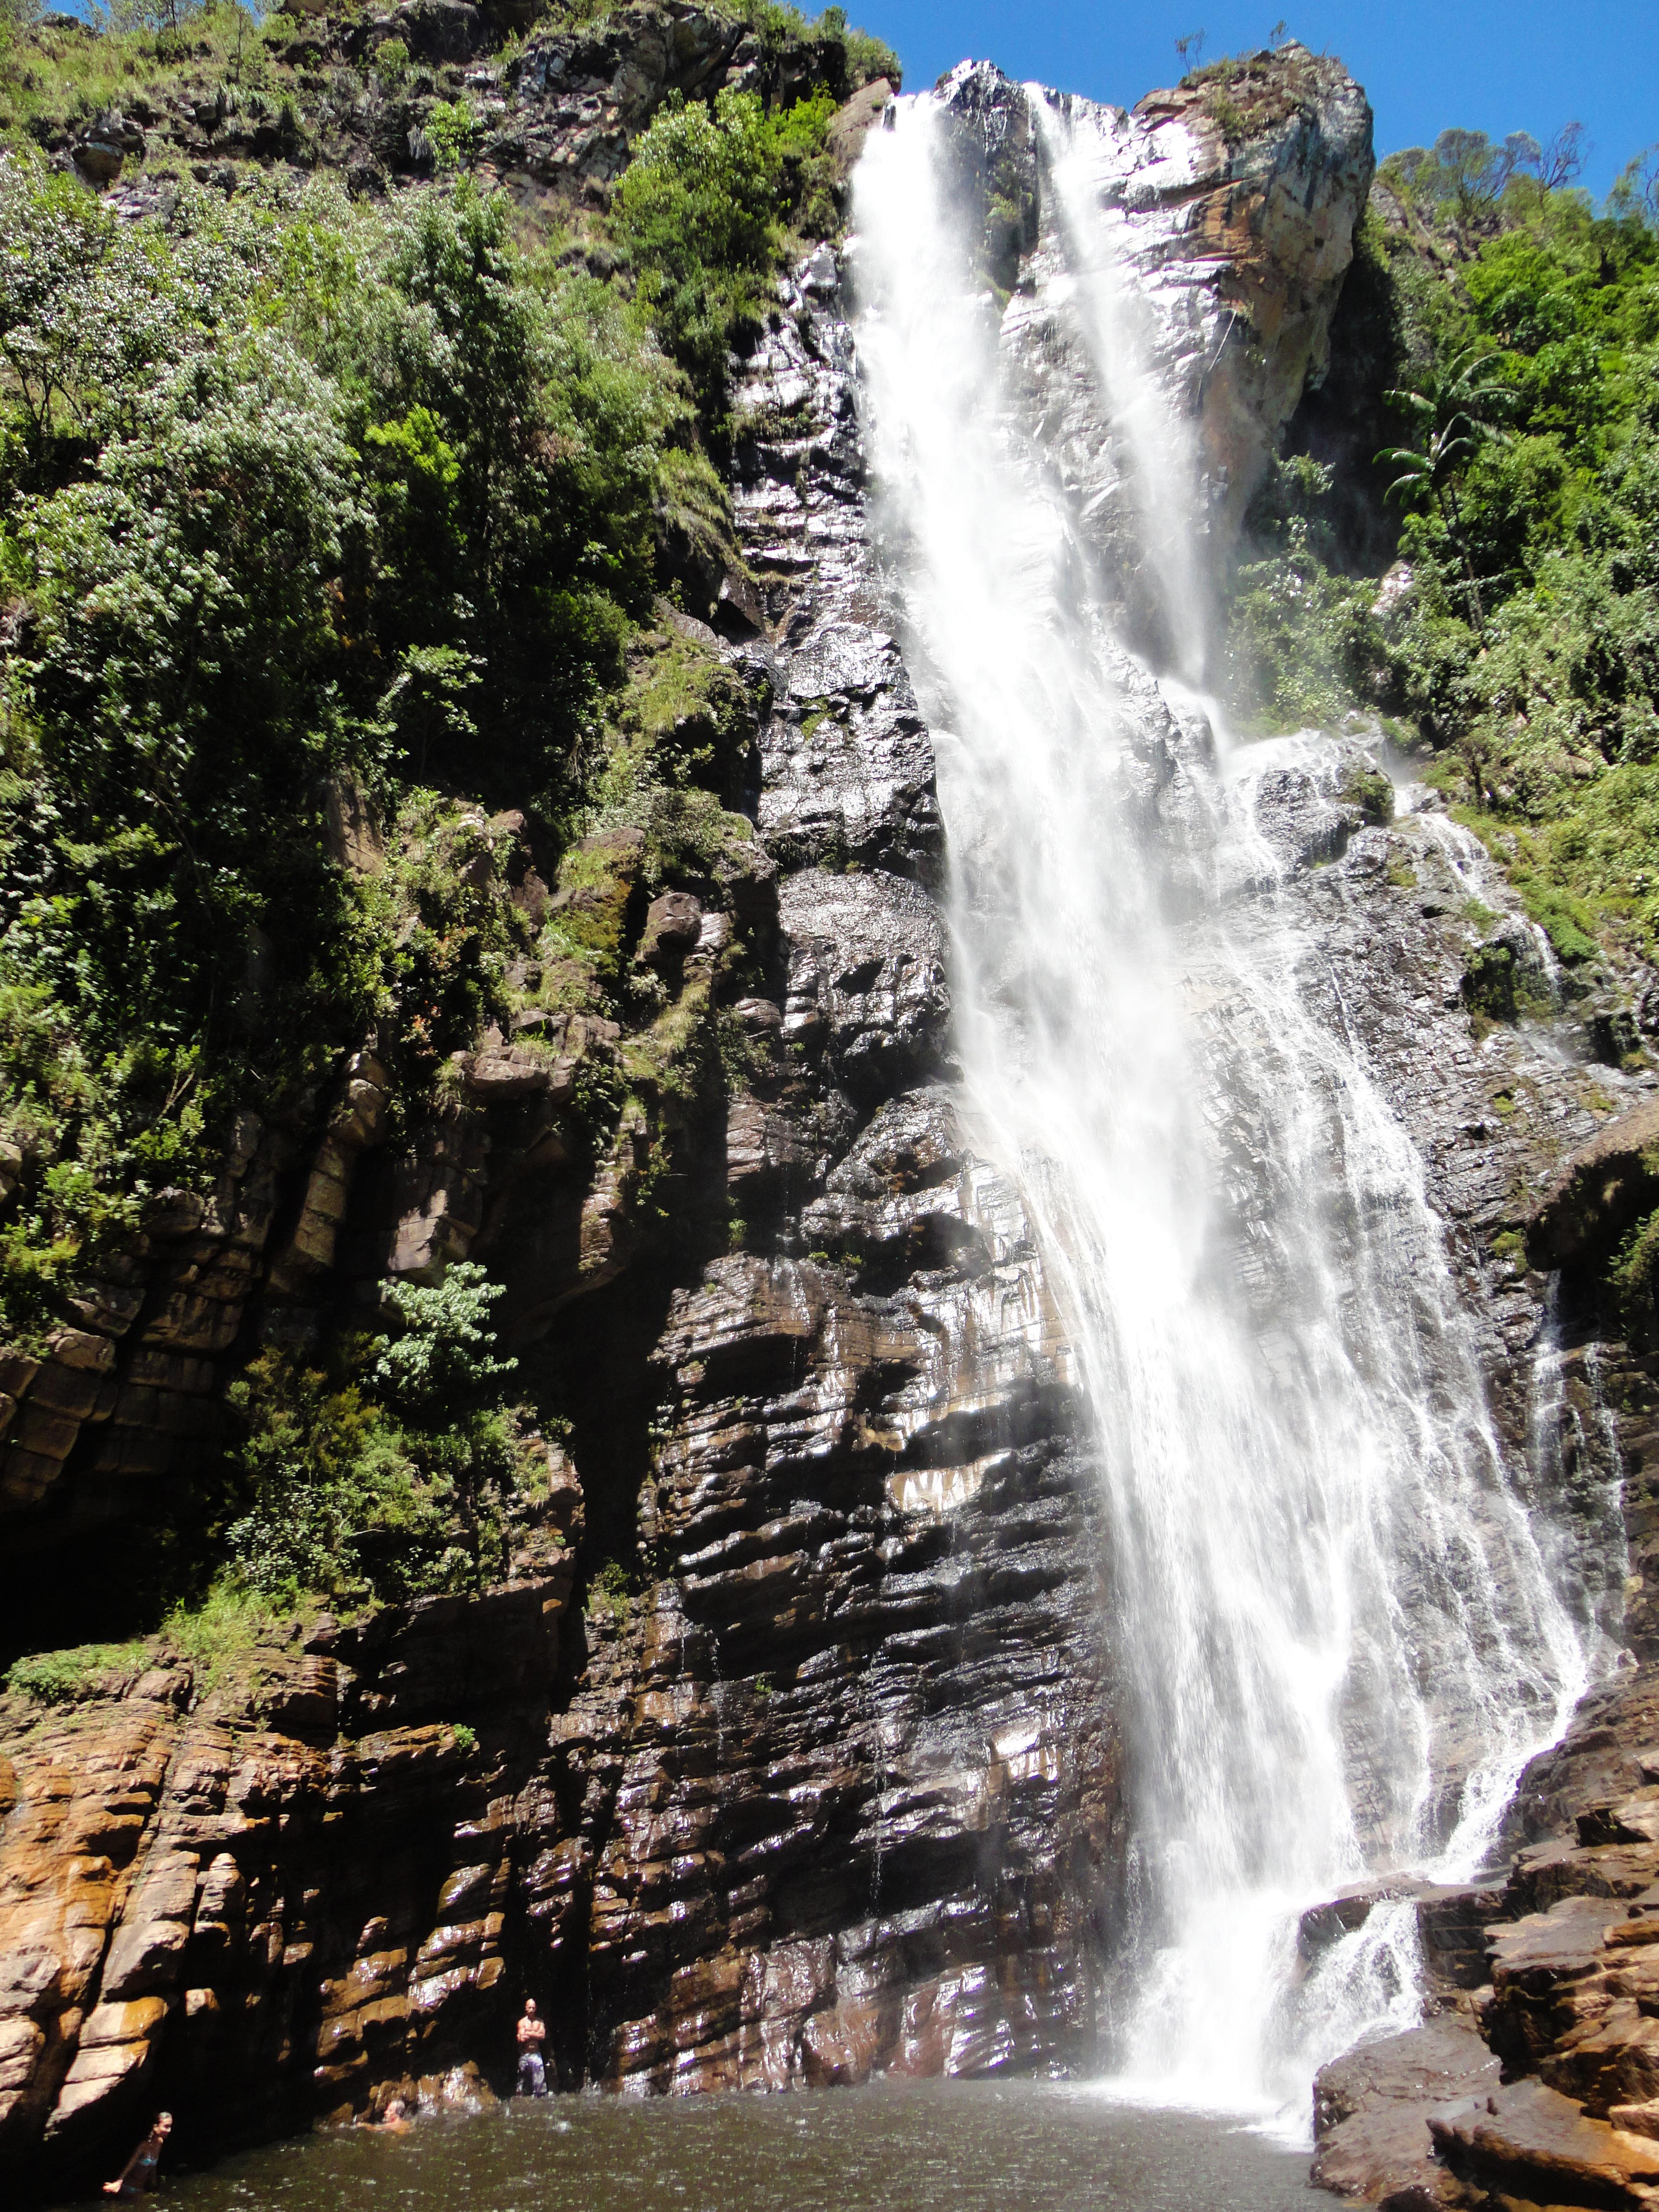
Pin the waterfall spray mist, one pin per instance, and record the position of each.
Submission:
(1337, 1627)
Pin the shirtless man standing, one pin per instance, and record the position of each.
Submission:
(532, 2065)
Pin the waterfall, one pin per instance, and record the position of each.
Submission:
(1334, 1620)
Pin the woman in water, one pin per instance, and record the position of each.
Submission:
(138, 2176)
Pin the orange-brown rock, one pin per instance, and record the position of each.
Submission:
(254, 1904)
(1268, 163)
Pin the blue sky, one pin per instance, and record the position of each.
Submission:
(1491, 65)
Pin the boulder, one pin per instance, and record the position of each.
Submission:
(1604, 1188)
(673, 924)
(1372, 2113)
(761, 1019)
(441, 30)
(509, 1072)
(1525, 2141)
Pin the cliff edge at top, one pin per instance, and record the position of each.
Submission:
(1239, 193)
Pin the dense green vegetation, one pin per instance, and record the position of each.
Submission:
(696, 213)
(316, 508)
(394, 1473)
(294, 494)
(1518, 330)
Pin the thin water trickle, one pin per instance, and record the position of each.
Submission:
(1340, 1634)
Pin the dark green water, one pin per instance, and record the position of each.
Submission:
(933, 2147)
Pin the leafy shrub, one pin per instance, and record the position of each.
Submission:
(1490, 983)
(1297, 640)
(394, 1475)
(608, 1592)
(454, 131)
(694, 212)
(869, 57)
(1634, 1275)
(443, 1365)
(1566, 921)
(698, 212)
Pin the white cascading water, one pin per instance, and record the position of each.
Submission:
(1334, 1618)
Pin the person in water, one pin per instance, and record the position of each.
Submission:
(394, 2121)
(533, 2064)
(138, 2176)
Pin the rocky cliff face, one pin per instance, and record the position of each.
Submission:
(1231, 203)
(830, 1779)
(558, 119)
(833, 1782)
(1535, 2079)
(1257, 172)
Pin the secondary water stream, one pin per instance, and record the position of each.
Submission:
(1343, 1639)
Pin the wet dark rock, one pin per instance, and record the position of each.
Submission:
(441, 30)
(673, 923)
(851, 767)
(767, 1157)
(1302, 820)
(996, 158)
(1600, 1191)
(1371, 2113)
(759, 1018)
(1451, 1924)
(866, 977)
(1526, 2143)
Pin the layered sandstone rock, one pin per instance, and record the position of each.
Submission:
(1374, 2145)
(252, 1902)
(1541, 2085)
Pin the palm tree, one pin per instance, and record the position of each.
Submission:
(1448, 412)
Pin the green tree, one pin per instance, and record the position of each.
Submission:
(1452, 413)
(512, 425)
(695, 212)
(443, 1364)
(391, 1472)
